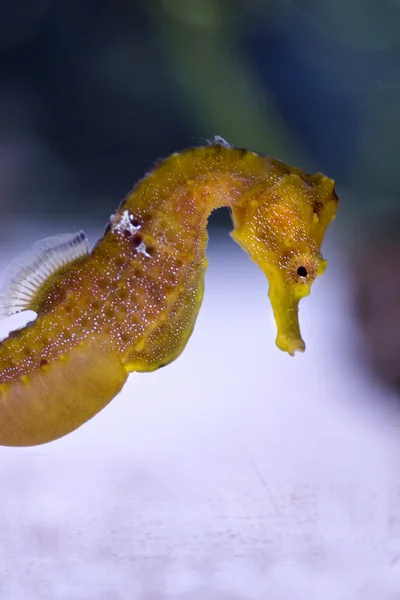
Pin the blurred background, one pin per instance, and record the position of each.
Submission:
(229, 475)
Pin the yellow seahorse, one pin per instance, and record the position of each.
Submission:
(131, 303)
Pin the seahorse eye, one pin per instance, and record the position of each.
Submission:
(302, 272)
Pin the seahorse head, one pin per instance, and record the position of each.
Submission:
(281, 227)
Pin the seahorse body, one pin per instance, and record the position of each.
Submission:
(131, 303)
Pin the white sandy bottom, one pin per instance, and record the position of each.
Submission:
(236, 473)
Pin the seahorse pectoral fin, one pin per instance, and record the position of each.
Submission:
(22, 280)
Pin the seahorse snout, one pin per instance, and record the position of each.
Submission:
(286, 312)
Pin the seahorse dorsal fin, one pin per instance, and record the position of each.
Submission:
(217, 139)
(21, 280)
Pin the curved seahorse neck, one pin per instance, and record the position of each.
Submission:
(197, 181)
(169, 208)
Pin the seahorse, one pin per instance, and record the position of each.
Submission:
(130, 304)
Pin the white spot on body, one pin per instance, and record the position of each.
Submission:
(125, 225)
(142, 249)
